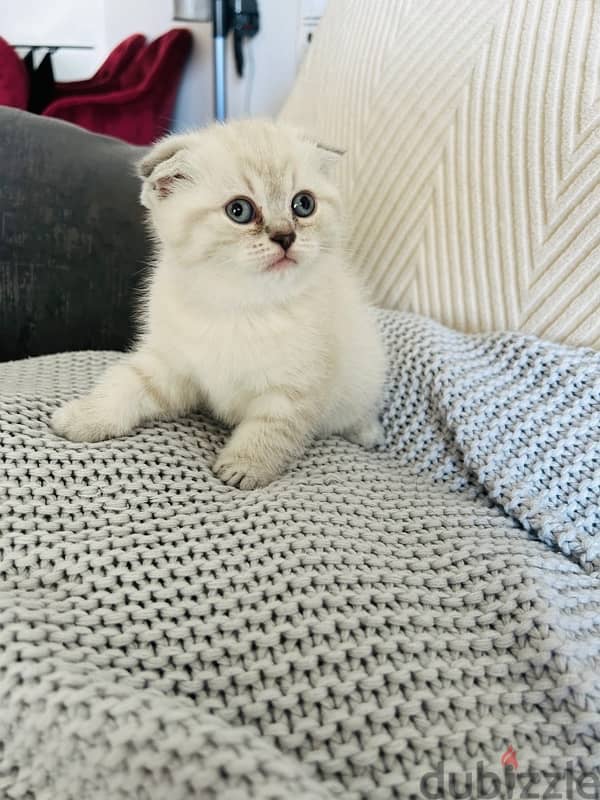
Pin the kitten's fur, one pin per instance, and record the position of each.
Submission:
(281, 354)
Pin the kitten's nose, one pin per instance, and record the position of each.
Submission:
(285, 238)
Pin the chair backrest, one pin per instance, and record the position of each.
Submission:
(472, 131)
(14, 81)
(110, 74)
(140, 111)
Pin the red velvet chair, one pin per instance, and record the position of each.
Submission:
(111, 75)
(14, 81)
(142, 112)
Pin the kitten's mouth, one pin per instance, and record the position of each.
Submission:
(282, 262)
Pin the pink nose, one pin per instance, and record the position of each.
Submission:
(286, 240)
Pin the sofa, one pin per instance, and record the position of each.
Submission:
(417, 621)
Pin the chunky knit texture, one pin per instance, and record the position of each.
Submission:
(338, 634)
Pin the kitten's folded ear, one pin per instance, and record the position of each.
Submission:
(162, 168)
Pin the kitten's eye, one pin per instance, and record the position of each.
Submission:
(240, 210)
(303, 204)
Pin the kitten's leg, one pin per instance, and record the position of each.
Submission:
(367, 433)
(139, 388)
(276, 429)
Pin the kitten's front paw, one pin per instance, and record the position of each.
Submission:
(369, 434)
(82, 421)
(241, 472)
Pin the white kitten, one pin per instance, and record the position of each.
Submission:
(251, 310)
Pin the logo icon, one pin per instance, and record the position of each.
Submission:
(509, 758)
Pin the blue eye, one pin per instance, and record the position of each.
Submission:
(240, 210)
(303, 204)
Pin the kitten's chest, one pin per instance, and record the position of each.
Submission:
(236, 360)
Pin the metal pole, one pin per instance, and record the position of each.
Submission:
(220, 30)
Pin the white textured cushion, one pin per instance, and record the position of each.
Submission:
(472, 130)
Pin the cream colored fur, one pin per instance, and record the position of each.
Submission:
(282, 355)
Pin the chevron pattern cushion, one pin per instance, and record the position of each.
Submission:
(472, 138)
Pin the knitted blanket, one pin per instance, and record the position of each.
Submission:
(399, 623)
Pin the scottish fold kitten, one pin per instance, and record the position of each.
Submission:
(251, 310)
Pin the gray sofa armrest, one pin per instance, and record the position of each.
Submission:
(72, 239)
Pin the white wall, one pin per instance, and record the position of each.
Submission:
(59, 22)
(102, 24)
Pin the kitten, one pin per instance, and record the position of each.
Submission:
(251, 310)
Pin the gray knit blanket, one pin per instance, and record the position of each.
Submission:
(389, 624)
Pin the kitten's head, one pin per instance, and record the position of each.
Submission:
(248, 211)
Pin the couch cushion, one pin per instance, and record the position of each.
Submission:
(473, 132)
(72, 239)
